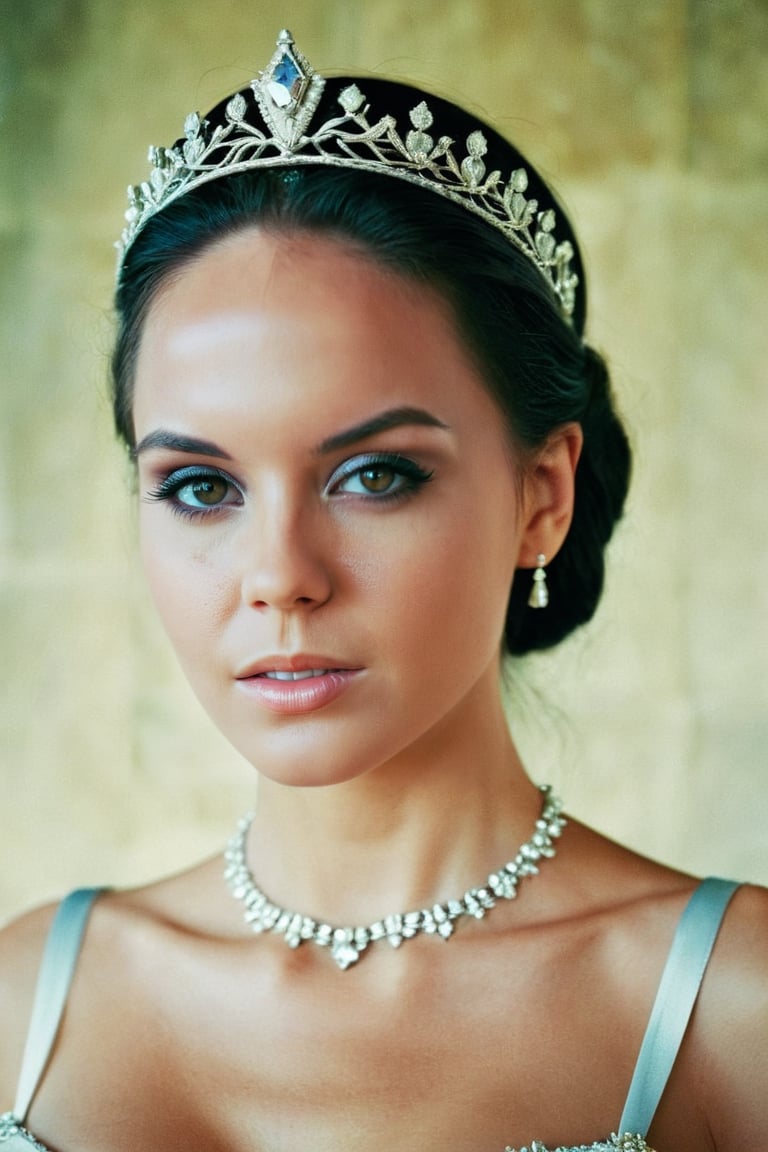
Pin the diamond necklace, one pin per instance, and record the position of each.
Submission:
(348, 944)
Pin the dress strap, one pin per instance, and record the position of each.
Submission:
(57, 968)
(680, 982)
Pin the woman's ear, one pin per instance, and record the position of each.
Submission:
(548, 494)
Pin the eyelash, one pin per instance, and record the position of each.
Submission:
(412, 477)
(170, 486)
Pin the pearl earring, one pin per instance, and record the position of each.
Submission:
(539, 597)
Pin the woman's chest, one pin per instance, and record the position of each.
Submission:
(438, 1060)
(300, 1076)
(447, 1095)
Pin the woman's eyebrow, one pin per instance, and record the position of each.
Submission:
(392, 418)
(178, 443)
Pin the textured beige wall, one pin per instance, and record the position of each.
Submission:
(651, 119)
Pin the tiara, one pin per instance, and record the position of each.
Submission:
(288, 93)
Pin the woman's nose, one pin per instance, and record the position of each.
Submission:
(286, 563)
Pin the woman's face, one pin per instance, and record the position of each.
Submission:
(330, 514)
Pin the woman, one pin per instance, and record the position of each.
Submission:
(351, 372)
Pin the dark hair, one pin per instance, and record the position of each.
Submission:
(533, 361)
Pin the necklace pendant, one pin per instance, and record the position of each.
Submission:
(343, 948)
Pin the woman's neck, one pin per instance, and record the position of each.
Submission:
(417, 830)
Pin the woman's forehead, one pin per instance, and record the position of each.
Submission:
(284, 264)
(287, 323)
(260, 286)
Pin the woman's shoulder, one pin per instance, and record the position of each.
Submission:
(743, 942)
(186, 904)
(738, 980)
(634, 888)
(723, 1064)
(731, 1024)
(634, 904)
(125, 933)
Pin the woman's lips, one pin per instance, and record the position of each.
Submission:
(293, 692)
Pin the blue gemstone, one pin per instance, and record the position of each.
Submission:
(286, 73)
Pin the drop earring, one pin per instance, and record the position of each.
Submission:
(539, 597)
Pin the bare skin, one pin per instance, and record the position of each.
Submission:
(185, 1031)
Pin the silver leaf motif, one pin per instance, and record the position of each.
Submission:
(477, 145)
(420, 116)
(192, 125)
(236, 108)
(472, 171)
(545, 246)
(351, 99)
(518, 181)
(193, 150)
(419, 145)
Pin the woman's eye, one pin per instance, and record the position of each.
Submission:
(376, 479)
(206, 492)
(190, 491)
(388, 477)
